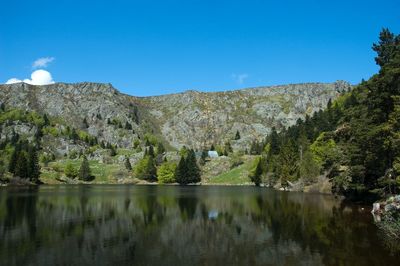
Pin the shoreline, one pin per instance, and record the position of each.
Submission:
(144, 183)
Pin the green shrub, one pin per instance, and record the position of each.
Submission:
(70, 171)
(166, 172)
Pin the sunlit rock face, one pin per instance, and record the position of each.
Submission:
(196, 118)
(192, 118)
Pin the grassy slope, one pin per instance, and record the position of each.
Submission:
(104, 173)
(236, 176)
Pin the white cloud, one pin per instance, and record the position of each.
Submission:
(13, 80)
(42, 62)
(240, 78)
(38, 77)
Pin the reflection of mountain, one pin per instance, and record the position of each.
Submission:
(172, 226)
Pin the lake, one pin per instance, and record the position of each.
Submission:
(194, 225)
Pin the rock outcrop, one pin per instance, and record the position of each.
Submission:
(195, 119)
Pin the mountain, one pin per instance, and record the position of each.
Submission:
(192, 118)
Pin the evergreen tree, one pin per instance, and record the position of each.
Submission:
(160, 148)
(181, 172)
(14, 159)
(127, 164)
(84, 171)
(237, 136)
(38, 135)
(22, 167)
(146, 169)
(193, 170)
(46, 121)
(74, 135)
(151, 151)
(387, 47)
(183, 151)
(147, 144)
(288, 161)
(128, 126)
(151, 170)
(255, 177)
(34, 167)
(274, 141)
(85, 123)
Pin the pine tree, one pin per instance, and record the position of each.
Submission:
(193, 170)
(151, 170)
(256, 175)
(128, 126)
(22, 167)
(146, 169)
(151, 151)
(160, 148)
(14, 159)
(274, 141)
(38, 134)
(84, 171)
(85, 123)
(237, 136)
(74, 135)
(147, 143)
(387, 47)
(34, 167)
(46, 120)
(127, 163)
(181, 172)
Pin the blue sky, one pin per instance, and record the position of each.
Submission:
(157, 47)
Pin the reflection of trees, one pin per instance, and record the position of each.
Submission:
(24, 201)
(171, 225)
(337, 233)
(187, 207)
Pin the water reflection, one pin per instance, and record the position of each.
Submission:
(142, 225)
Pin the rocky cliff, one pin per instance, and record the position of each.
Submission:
(192, 118)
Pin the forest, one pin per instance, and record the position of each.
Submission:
(355, 141)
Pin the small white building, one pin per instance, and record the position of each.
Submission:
(212, 154)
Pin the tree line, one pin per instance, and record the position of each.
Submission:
(155, 167)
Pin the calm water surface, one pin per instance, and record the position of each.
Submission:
(170, 225)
